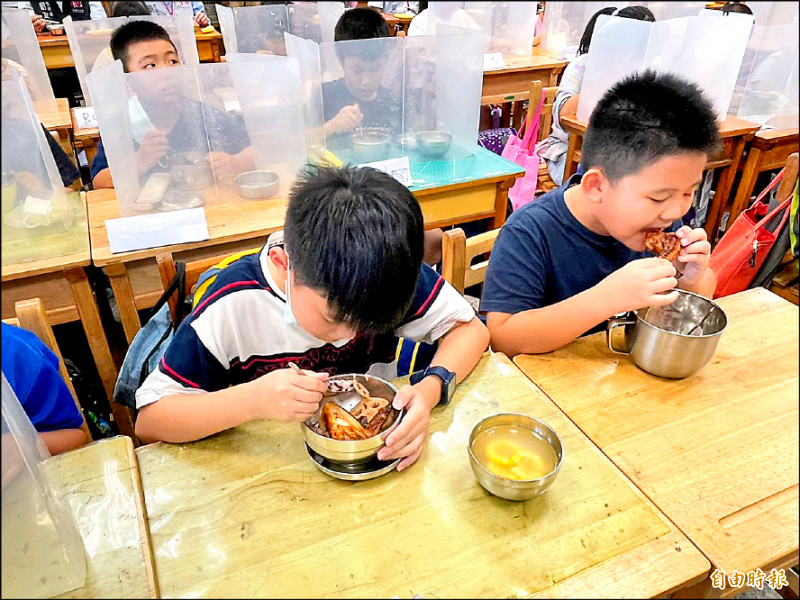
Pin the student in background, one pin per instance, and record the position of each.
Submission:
(564, 264)
(120, 9)
(31, 369)
(736, 7)
(554, 149)
(142, 45)
(168, 8)
(449, 13)
(56, 11)
(330, 294)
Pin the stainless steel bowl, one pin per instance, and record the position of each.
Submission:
(370, 145)
(513, 489)
(672, 341)
(434, 144)
(257, 184)
(352, 452)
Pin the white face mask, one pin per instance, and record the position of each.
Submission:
(140, 122)
(288, 315)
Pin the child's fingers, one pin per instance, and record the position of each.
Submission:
(694, 250)
(411, 458)
(664, 299)
(310, 384)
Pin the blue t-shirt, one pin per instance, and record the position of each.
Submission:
(31, 369)
(544, 255)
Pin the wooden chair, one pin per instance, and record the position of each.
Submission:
(785, 282)
(458, 252)
(32, 316)
(167, 270)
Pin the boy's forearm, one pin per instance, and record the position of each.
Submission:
(546, 329)
(462, 347)
(189, 417)
(103, 179)
(61, 440)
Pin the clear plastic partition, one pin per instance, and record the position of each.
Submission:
(255, 29)
(43, 553)
(707, 50)
(314, 20)
(513, 26)
(307, 54)
(89, 42)
(227, 26)
(154, 131)
(457, 14)
(443, 82)
(767, 88)
(564, 23)
(271, 101)
(774, 13)
(37, 210)
(668, 10)
(21, 48)
(363, 109)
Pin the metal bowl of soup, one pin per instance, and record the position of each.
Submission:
(514, 456)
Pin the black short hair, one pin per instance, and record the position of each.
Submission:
(355, 235)
(640, 13)
(128, 9)
(736, 7)
(360, 24)
(645, 117)
(134, 32)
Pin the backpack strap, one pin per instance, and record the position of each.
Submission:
(178, 284)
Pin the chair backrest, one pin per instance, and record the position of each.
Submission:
(458, 252)
(538, 91)
(32, 316)
(167, 270)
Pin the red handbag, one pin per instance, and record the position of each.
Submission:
(744, 246)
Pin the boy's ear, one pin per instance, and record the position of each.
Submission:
(280, 259)
(594, 184)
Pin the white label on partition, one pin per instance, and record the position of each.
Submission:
(85, 117)
(399, 168)
(493, 60)
(158, 229)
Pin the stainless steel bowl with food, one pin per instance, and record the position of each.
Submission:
(370, 144)
(353, 420)
(514, 456)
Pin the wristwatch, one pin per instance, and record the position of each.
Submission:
(448, 381)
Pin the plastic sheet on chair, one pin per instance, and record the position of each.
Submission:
(43, 554)
(89, 41)
(705, 49)
(38, 212)
(19, 44)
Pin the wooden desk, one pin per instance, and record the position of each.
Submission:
(100, 485)
(735, 132)
(246, 224)
(245, 513)
(718, 451)
(51, 267)
(768, 150)
(86, 139)
(56, 53)
(58, 120)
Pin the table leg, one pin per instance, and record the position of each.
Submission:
(570, 168)
(723, 191)
(745, 189)
(501, 201)
(98, 344)
(123, 293)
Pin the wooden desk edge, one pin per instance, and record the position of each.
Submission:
(23, 270)
(141, 513)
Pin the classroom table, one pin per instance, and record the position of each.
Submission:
(86, 139)
(768, 150)
(245, 513)
(57, 119)
(100, 485)
(735, 133)
(52, 267)
(449, 194)
(56, 53)
(717, 452)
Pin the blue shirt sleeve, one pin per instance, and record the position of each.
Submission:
(31, 369)
(100, 161)
(517, 276)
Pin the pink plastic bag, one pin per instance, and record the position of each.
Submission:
(520, 149)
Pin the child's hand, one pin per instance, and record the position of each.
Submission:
(201, 19)
(407, 439)
(154, 145)
(225, 166)
(283, 395)
(639, 284)
(38, 23)
(346, 119)
(694, 255)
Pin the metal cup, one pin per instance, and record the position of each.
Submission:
(671, 341)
